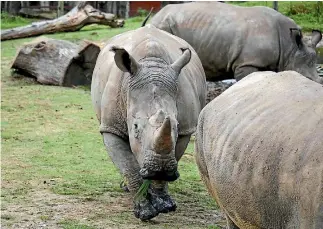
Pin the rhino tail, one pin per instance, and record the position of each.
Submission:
(146, 19)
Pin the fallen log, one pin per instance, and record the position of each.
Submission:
(57, 62)
(81, 15)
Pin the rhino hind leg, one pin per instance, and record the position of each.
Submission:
(181, 145)
(243, 71)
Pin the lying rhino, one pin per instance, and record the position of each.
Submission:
(234, 41)
(259, 149)
(148, 89)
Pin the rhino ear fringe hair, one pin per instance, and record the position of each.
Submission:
(296, 34)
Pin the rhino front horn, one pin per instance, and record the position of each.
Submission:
(182, 60)
(163, 141)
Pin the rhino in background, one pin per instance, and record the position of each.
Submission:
(259, 150)
(148, 88)
(234, 41)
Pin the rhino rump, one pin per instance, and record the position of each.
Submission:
(259, 151)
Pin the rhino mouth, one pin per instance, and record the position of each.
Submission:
(159, 175)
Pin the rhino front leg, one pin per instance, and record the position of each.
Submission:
(243, 71)
(158, 192)
(159, 197)
(122, 156)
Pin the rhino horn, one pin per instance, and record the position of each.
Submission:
(182, 60)
(163, 141)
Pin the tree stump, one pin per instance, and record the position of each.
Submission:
(214, 89)
(81, 15)
(57, 62)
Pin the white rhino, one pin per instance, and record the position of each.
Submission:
(259, 150)
(148, 88)
(234, 41)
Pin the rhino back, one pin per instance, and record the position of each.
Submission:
(262, 150)
(226, 36)
(108, 83)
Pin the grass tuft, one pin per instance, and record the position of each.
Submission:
(142, 191)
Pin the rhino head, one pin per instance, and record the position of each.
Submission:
(304, 56)
(152, 111)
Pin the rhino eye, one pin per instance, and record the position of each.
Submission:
(135, 126)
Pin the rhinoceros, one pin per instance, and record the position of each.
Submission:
(148, 89)
(259, 150)
(234, 41)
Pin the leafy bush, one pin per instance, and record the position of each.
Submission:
(11, 21)
(142, 12)
(300, 9)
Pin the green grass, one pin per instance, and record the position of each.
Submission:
(50, 141)
(305, 14)
(8, 21)
(71, 224)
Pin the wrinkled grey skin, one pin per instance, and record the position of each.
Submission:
(148, 88)
(259, 151)
(234, 41)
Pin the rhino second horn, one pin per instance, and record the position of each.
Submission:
(163, 141)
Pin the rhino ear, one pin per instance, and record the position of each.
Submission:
(124, 60)
(316, 37)
(296, 35)
(182, 61)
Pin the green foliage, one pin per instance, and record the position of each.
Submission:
(9, 21)
(143, 190)
(142, 12)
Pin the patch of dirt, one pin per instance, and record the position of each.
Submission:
(44, 209)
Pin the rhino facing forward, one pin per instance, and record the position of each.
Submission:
(147, 95)
(259, 149)
(234, 41)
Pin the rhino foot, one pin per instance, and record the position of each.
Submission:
(144, 210)
(161, 201)
(157, 201)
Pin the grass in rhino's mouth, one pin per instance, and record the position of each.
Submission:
(142, 191)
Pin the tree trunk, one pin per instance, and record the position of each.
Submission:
(57, 62)
(13, 7)
(275, 5)
(60, 8)
(81, 15)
